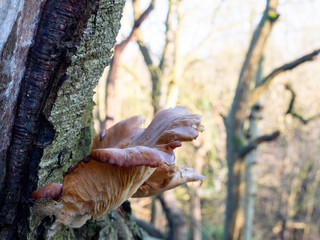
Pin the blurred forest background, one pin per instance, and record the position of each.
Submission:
(250, 69)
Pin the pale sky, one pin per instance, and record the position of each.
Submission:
(232, 22)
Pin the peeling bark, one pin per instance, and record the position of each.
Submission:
(17, 25)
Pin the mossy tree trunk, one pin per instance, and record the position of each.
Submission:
(52, 54)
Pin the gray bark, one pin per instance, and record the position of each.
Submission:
(252, 168)
(17, 26)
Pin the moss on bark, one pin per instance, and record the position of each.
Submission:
(71, 113)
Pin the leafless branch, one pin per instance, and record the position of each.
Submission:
(293, 112)
(293, 98)
(145, 52)
(135, 27)
(224, 118)
(137, 80)
(254, 143)
(259, 90)
(114, 64)
(149, 228)
(175, 219)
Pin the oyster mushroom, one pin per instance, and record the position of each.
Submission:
(121, 160)
(51, 190)
(165, 178)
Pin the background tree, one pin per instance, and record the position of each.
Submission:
(237, 148)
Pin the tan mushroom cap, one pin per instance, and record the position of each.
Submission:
(87, 190)
(165, 178)
(119, 135)
(51, 190)
(173, 124)
(137, 156)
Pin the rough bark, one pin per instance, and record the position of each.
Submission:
(46, 97)
(235, 120)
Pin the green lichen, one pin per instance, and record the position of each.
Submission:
(135, 229)
(273, 15)
(65, 234)
(71, 114)
(108, 231)
(238, 141)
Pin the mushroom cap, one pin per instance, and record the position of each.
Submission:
(107, 177)
(51, 190)
(137, 156)
(165, 178)
(119, 135)
(173, 124)
(96, 187)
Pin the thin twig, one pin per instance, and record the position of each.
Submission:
(135, 27)
(224, 118)
(254, 143)
(294, 113)
(266, 81)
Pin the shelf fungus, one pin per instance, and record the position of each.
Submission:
(125, 161)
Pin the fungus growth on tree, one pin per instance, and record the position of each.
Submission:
(125, 160)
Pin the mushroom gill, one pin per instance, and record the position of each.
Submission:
(122, 159)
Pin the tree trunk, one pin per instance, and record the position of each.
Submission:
(195, 208)
(52, 55)
(234, 124)
(251, 171)
(174, 215)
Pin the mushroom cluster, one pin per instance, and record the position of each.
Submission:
(125, 161)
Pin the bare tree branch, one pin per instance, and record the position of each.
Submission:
(149, 228)
(175, 220)
(293, 98)
(254, 143)
(135, 27)
(163, 69)
(294, 113)
(224, 118)
(266, 81)
(111, 78)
